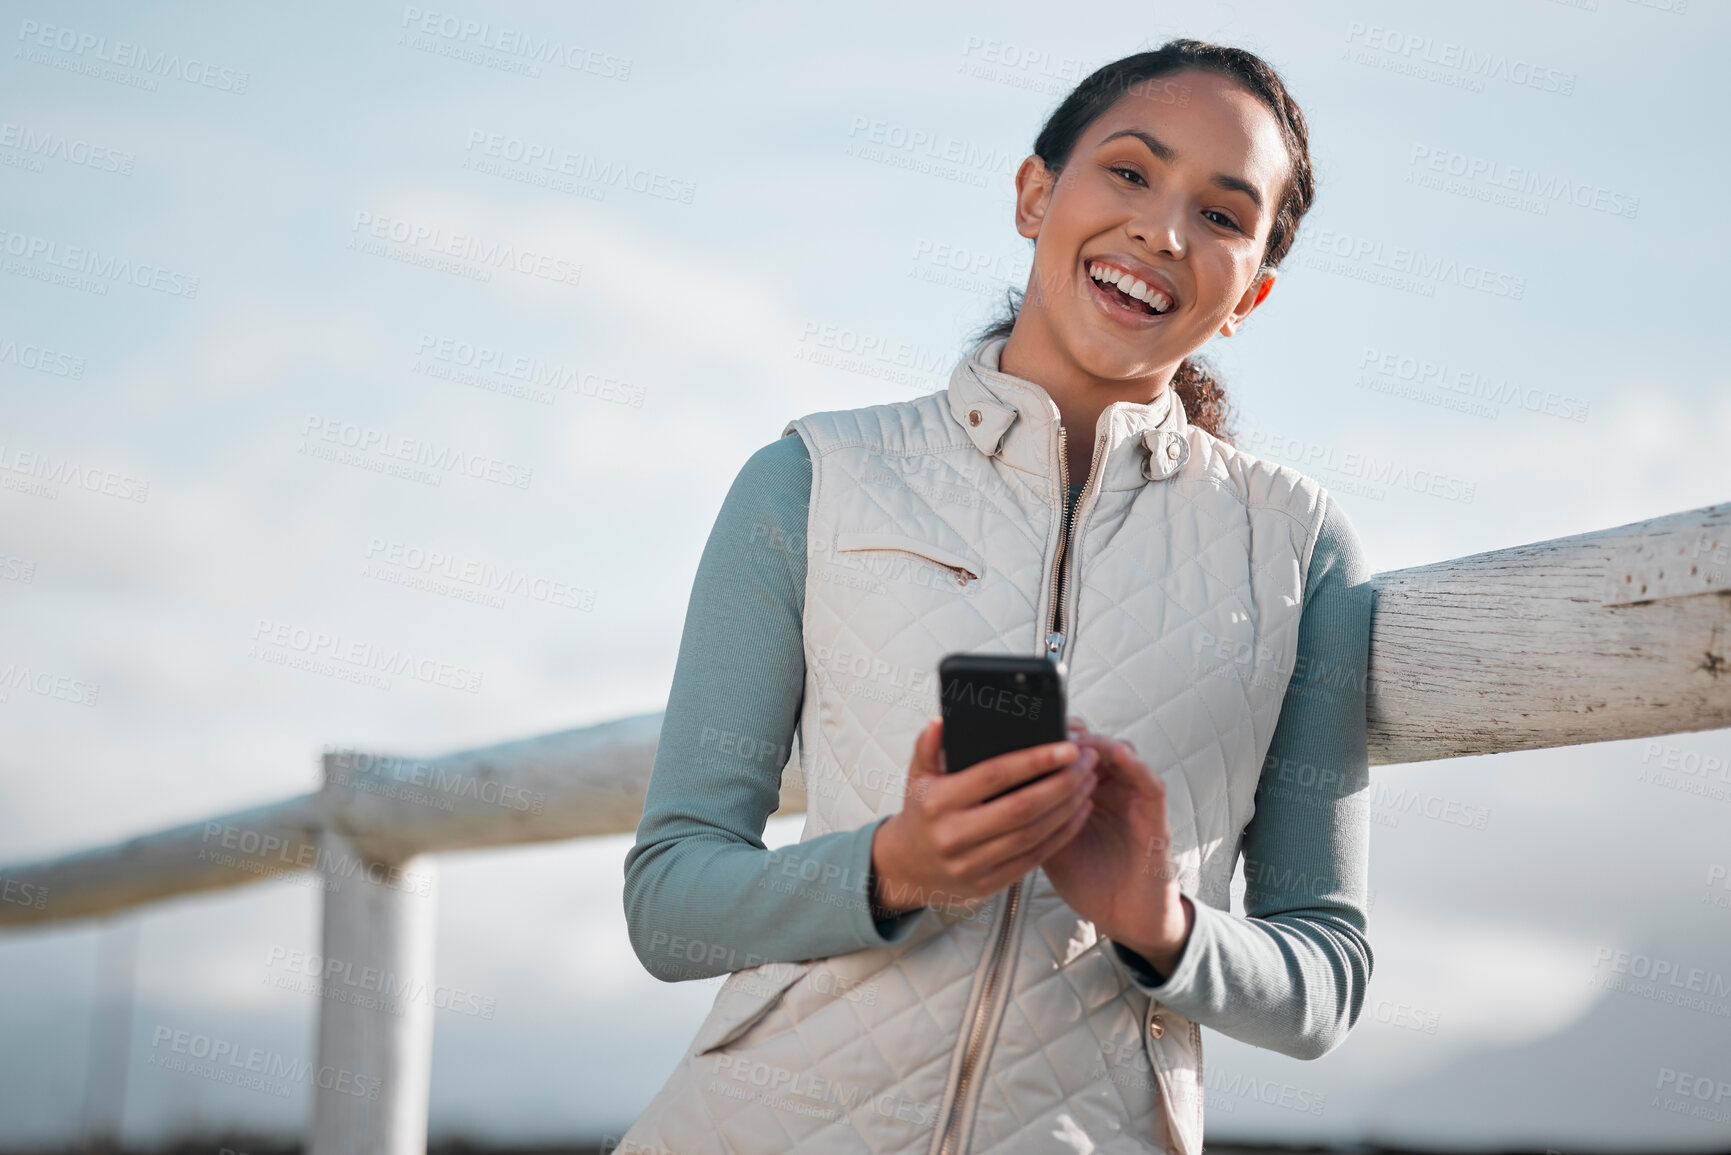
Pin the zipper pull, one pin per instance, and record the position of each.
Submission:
(1055, 647)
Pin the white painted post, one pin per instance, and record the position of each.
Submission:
(110, 1035)
(375, 1041)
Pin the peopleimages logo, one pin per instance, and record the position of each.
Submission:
(226, 1061)
(80, 262)
(1315, 456)
(1543, 187)
(316, 650)
(276, 855)
(1032, 69)
(375, 449)
(1462, 65)
(63, 687)
(872, 355)
(993, 698)
(479, 364)
(1401, 267)
(341, 980)
(432, 242)
(39, 145)
(928, 152)
(1662, 970)
(40, 474)
(22, 893)
(581, 167)
(369, 772)
(39, 359)
(1469, 384)
(526, 47)
(470, 578)
(87, 46)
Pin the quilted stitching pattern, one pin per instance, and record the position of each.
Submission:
(1186, 597)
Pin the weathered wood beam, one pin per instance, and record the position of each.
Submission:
(566, 785)
(387, 807)
(1622, 633)
(255, 845)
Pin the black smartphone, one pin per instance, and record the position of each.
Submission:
(995, 703)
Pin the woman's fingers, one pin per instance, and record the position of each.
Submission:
(980, 781)
(1120, 765)
(972, 833)
(1015, 867)
(1022, 807)
(995, 852)
(927, 762)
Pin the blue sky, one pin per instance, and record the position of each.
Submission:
(718, 221)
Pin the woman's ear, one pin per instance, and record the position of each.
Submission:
(1034, 184)
(1253, 296)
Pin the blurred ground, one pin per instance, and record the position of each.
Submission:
(247, 1145)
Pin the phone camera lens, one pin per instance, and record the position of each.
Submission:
(1020, 677)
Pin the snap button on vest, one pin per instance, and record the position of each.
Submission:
(1156, 1028)
(973, 417)
(1167, 453)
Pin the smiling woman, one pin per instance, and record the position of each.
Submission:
(1020, 955)
(1203, 103)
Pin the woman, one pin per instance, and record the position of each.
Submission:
(929, 971)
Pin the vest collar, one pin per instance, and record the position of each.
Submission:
(1015, 420)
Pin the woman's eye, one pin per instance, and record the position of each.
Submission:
(1225, 220)
(1129, 174)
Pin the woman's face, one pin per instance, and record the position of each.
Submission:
(1177, 185)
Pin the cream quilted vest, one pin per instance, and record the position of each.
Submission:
(1007, 1025)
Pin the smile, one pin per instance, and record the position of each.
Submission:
(1123, 292)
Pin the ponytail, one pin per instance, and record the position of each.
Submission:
(1204, 397)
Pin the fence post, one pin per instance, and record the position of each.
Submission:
(111, 1033)
(375, 1038)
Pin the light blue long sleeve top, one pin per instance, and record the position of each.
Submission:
(1288, 974)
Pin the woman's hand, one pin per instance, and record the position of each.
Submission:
(948, 844)
(1118, 872)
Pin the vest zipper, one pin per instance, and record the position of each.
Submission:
(1012, 899)
(1055, 639)
(976, 1036)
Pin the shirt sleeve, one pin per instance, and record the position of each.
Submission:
(1290, 973)
(703, 895)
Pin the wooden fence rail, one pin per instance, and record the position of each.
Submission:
(1621, 633)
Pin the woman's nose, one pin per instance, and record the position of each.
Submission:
(1161, 229)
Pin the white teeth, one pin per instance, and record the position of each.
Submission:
(1132, 286)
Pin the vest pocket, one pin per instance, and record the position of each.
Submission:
(958, 559)
(745, 998)
(1176, 1055)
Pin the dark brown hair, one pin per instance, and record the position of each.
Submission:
(1203, 394)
